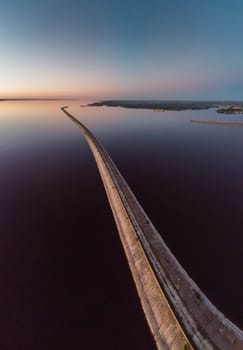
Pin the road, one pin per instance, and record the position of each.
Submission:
(179, 315)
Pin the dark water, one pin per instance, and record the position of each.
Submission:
(64, 280)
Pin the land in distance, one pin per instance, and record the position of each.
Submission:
(163, 105)
(231, 110)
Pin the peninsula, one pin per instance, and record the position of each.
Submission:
(158, 105)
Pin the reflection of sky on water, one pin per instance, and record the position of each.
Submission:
(187, 176)
(34, 127)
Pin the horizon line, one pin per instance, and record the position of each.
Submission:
(113, 99)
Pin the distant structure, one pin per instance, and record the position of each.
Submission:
(179, 315)
(231, 110)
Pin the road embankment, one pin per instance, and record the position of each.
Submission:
(179, 315)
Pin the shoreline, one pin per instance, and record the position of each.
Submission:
(209, 122)
(156, 105)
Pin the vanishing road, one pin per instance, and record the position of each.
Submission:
(179, 315)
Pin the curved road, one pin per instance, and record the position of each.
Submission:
(179, 315)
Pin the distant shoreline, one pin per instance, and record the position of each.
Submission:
(162, 105)
(231, 110)
(155, 105)
(209, 122)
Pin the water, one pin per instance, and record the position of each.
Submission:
(63, 275)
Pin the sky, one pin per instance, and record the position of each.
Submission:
(101, 49)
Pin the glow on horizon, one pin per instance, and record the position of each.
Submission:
(160, 49)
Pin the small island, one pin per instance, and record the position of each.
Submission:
(231, 110)
(156, 105)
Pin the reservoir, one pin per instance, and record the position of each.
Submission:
(63, 276)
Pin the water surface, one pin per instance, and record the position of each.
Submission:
(63, 275)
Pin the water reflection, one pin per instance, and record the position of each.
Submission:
(188, 179)
(63, 275)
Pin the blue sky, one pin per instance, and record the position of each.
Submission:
(169, 49)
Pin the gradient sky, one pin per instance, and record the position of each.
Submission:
(162, 49)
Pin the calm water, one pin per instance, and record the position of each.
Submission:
(64, 281)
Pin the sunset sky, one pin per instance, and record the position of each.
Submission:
(95, 49)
